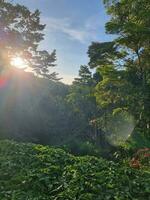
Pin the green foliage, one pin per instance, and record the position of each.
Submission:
(138, 140)
(104, 54)
(35, 172)
(82, 100)
(82, 148)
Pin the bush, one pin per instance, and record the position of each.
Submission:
(36, 172)
(138, 140)
(82, 148)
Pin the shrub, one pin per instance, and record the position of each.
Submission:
(36, 172)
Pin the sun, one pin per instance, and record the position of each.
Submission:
(19, 63)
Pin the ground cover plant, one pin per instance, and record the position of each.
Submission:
(36, 172)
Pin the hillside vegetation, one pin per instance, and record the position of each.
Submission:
(36, 172)
(31, 109)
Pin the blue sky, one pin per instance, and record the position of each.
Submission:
(71, 27)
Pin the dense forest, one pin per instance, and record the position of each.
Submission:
(88, 140)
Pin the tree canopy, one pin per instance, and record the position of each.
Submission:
(20, 35)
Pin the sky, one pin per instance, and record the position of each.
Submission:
(71, 26)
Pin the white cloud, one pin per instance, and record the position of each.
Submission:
(82, 34)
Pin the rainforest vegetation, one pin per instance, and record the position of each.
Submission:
(86, 141)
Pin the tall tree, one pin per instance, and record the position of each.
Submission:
(20, 34)
(130, 20)
(124, 62)
(82, 99)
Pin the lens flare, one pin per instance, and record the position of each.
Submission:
(4, 78)
(2, 82)
(121, 126)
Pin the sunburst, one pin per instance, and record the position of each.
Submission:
(19, 63)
